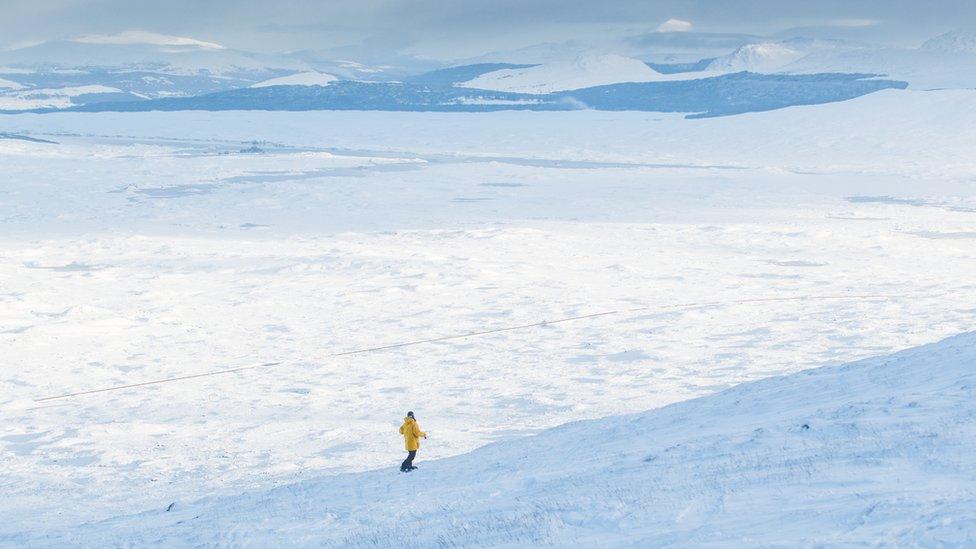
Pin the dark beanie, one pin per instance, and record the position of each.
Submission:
(409, 414)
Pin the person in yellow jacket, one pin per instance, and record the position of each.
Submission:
(411, 440)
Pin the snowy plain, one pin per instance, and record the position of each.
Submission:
(136, 247)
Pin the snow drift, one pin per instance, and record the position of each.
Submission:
(876, 451)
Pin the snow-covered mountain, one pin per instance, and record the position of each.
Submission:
(132, 65)
(10, 85)
(921, 68)
(946, 61)
(873, 451)
(309, 78)
(952, 42)
(137, 65)
(159, 53)
(61, 98)
(762, 57)
(681, 47)
(582, 72)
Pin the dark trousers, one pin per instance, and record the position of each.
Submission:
(408, 463)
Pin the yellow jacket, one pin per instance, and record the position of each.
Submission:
(411, 434)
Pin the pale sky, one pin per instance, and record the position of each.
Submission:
(467, 27)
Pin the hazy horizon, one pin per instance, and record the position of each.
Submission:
(458, 29)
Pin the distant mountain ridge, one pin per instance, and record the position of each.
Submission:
(133, 67)
(308, 78)
(952, 42)
(176, 60)
(758, 57)
(582, 72)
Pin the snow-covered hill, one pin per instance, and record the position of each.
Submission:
(946, 61)
(60, 98)
(581, 72)
(145, 51)
(877, 451)
(309, 78)
(952, 42)
(921, 68)
(133, 65)
(762, 57)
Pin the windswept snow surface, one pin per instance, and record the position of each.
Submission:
(582, 72)
(873, 452)
(299, 79)
(143, 246)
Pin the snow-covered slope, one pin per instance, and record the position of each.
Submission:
(43, 98)
(581, 72)
(173, 55)
(310, 78)
(10, 85)
(921, 68)
(873, 452)
(952, 42)
(145, 37)
(170, 252)
(946, 61)
(761, 57)
(135, 65)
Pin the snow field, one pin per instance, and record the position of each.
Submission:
(149, 246)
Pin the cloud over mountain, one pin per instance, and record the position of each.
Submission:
(144, 37)
(674, 25)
